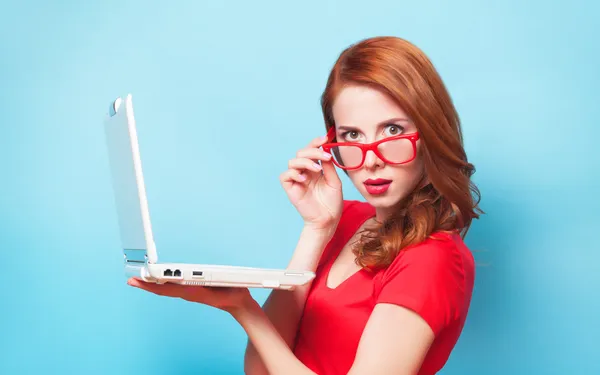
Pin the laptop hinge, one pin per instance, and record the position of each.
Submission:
(137, 257)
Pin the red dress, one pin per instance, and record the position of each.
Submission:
(434, 278)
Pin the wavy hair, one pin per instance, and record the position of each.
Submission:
(448, 201)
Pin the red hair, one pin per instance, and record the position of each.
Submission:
(449, 200)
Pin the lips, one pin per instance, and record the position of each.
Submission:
(377, 186)
(377, 181)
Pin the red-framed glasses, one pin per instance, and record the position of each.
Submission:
(399, 149)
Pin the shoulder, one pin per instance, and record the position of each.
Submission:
(434, 278)
(441, 252)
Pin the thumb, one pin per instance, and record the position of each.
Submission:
(330, 174)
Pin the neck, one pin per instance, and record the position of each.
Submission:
(381, 214)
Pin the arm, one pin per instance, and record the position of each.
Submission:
(272, 331)
(271, 353)
(395, 342)
(315, 190)
(423, 291)
(283, 309)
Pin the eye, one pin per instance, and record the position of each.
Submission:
(351, 135)
(393, 129)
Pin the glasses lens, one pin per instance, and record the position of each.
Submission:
(397, 150)
(347, 156)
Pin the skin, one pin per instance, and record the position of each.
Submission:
(395, 339)
(365, 115)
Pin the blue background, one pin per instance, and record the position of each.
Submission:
(225, 93)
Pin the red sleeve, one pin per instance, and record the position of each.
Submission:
(428, 279)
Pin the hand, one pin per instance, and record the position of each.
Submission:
(314, 189)
(226, 299)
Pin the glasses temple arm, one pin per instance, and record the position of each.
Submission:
(331, 134)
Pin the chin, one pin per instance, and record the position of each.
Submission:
(383, 201)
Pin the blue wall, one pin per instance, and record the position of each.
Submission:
(230, 91)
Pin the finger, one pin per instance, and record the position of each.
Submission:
(135, 282)
(303, 163)
(314, 154)
(317, 142)
(140, 284)
(195, 293)
(330, 174)
(167, 289)
(292, 176)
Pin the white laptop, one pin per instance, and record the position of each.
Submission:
(137, 240)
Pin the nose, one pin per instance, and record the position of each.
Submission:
(372, 161)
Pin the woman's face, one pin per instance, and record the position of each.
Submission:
(364, 115)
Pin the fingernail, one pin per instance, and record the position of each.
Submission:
(302, 177)
(323, 138)
(327, 155)
(318, 166)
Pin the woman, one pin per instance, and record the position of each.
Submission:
(393, 277)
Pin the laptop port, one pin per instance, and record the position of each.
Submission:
(177, 273)
(168, 272)
(196, 273)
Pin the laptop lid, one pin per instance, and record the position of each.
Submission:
(129, 190)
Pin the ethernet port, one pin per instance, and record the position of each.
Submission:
(177, 273)
(168, 273)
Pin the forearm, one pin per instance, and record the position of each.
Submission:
(284, 308)
(275, 354)
(305, 258)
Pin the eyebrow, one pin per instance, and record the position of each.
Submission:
(385, 122)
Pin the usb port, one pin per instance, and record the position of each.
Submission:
(197, 273)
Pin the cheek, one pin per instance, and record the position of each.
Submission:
(407, 176)
(354, 176)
